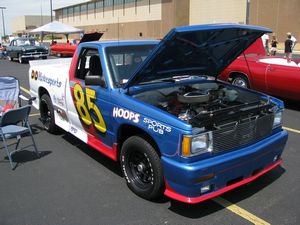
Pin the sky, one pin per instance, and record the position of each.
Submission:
(15, 8)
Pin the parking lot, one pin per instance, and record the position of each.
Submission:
(73, 184)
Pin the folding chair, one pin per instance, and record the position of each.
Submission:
(9, 128)
(10, 97)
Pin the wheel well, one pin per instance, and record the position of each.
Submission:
(126, 131)
(42, 91)
(235, 74)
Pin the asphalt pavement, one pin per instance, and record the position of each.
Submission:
(73, 184)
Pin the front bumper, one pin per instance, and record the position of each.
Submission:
(230, 170)
(35, 56)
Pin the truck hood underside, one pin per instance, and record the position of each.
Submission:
(196, 50)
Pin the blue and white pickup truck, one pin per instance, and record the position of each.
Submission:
(157, 107)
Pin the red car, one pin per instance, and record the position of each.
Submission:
(68, 49)
(270, 74)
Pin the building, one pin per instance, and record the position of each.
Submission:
(281, 16)
(152, 19)
(23, 24)
(144, 19)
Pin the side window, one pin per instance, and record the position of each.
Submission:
(89, 64)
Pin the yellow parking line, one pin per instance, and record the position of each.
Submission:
(239, 211)
(292, 130)
(34, 114)
(25, 90)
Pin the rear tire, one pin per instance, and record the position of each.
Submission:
(47, 114)
(241, 81)
(142, 168)
(10, 58)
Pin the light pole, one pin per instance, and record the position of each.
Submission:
(3, 25)
(51, 10)
(51, 18)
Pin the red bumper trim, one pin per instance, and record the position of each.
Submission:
(193, 200)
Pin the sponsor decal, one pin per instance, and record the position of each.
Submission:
(157, 127)
(86, 107)
(126, 114)
(37, 75)
(73, 130)
(59, 100)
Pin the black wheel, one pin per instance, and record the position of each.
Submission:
(44, 57)
(142, 168)
(21, 60)
(10, 58)
(241, 81)
(47, 114)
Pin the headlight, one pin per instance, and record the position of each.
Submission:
(196, 144)
(277, 119)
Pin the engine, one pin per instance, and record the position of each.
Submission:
(207, 104)
(189, 101)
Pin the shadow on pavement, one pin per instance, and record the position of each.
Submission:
(24, 156)
(293, 105)
(99, 157)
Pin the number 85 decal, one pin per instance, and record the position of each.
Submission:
(85, 112)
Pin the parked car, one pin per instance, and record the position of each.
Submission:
(68, 49)
(25, 49)
(274, 75)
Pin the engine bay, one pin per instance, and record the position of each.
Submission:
(208, 104)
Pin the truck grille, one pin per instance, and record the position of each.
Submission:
(237, 135)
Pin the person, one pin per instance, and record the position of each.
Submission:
(293, 39)
(288, 47)
(274, 43)
(2, 52)
(265, 39)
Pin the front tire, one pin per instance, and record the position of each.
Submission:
(142, 168)
(240, 81)
(47, 114)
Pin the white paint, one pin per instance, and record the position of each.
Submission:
(279, 61)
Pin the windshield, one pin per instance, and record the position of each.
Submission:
(23, 42)
(124, 60)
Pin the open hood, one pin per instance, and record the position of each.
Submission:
(196, 50)
(91, 37)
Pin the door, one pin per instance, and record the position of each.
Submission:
(90, 110)
(283, 79)
(258, 73)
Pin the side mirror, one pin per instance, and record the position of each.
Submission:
(93, 80)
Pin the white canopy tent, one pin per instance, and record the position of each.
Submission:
(56, 27)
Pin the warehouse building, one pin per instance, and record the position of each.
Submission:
(152, 19)
(23, 24)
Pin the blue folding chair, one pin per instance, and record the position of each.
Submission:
(14, 124)
(10, 98)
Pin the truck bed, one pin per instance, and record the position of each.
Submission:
(51, 65)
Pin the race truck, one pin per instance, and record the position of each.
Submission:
(157, 107)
